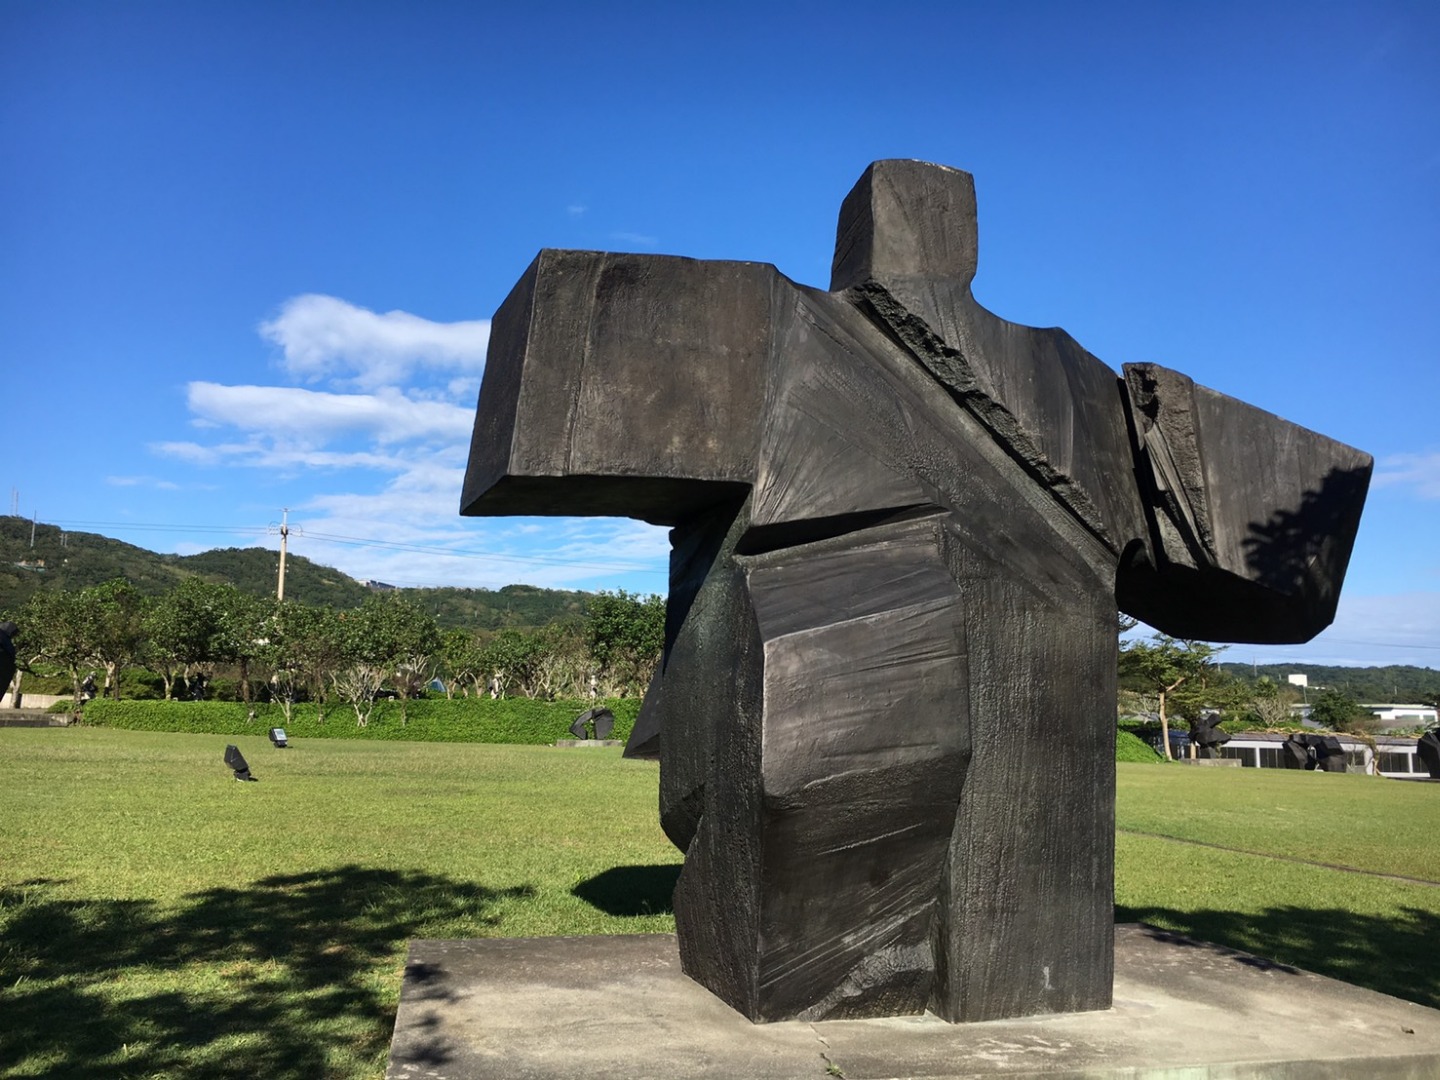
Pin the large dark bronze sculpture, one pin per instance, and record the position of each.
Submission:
(1313, 752)
(1428, 747)
(8, 664)
(901, 527)
(1207, 737)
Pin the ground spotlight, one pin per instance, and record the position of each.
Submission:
(277, 736)
(236, 760)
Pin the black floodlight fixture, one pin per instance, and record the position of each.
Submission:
(236, 761)
(277, 736)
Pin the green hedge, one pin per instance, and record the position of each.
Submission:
(479, 720)
(1130, 747)
(507, 720)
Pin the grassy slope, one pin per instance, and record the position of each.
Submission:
(158, 919)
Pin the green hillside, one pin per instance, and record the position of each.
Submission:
(1397, 682)
(486, 609)
(72, 560)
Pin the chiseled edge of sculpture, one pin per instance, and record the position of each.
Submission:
(901, 528)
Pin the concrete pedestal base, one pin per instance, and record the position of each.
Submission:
(619, 1008)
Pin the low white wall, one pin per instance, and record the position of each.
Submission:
(30, 701)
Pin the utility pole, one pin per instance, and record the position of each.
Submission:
(284, 533)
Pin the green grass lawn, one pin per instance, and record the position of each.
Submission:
(1363, 928)
(159, 919)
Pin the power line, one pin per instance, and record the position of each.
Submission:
(1379, 644)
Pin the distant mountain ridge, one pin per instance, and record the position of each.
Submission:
(1397, 683)
(64, 559)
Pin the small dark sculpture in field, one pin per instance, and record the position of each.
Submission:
(900, 529)
(8, 666)
(1205, 733)
(599, 721)
(1429, 750)
(1314, 752)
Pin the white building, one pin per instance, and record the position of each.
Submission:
(1404, 716)
(1395, 756)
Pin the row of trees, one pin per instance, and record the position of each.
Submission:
(291, 652)
(1182, 679)
(288, 652)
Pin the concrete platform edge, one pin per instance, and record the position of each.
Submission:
(619, 1008)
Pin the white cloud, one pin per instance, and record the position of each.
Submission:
(638, 239)
(576, 210)
(190, 452)
(379, 453)
(323, 336)
(415, 550)
(261, 454)
(142, 481)
(463, 389)
(1399, 628)
(313, 418)
(1418, 471)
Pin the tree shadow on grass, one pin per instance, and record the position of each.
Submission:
(1392, 955)
(290, 976)
(628, 891)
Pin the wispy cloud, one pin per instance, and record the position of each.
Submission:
(1418, 471)
(1398, 628)
(261, 454)
(391, 536)
(325, 337)
(576, 210)
(190, 452)
(382, 443)
(638, 239)
(142, 481)
(314, 418)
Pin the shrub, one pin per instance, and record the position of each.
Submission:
(139, 683)
(34, 683)
(1130, 747)
(480, 720)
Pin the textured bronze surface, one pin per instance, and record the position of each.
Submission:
(901, 529)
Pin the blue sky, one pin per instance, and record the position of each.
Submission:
(248, 252)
